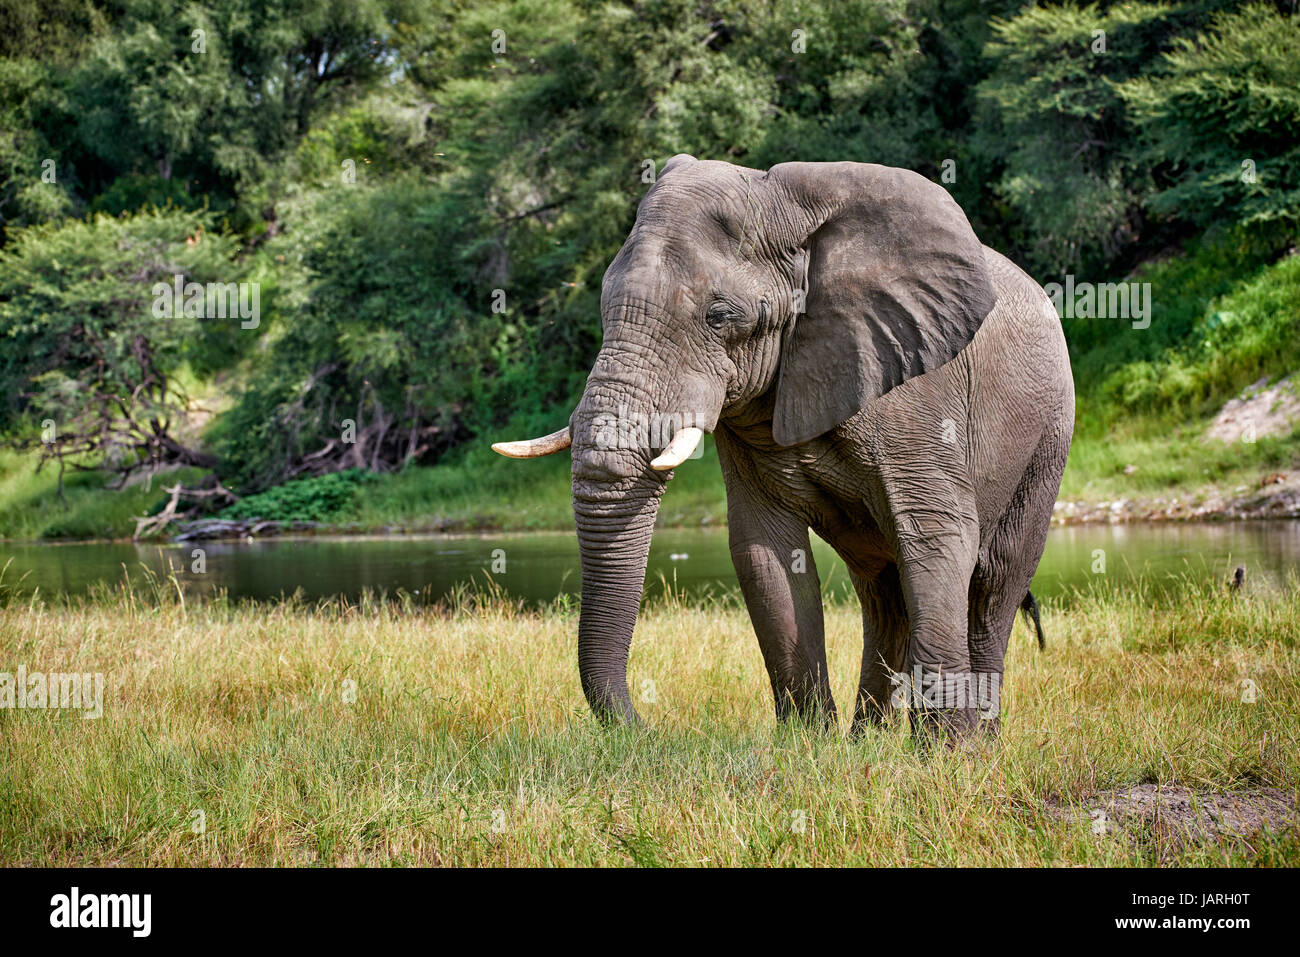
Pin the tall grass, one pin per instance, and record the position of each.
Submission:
(1172, 460)
(469, 743)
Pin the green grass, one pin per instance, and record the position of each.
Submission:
(476, 490)
(31, 508)
(481, 493)
(468, 742)
(1172, 461)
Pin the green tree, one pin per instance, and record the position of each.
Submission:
(90, 371)
(1220, 122)
(384, 358)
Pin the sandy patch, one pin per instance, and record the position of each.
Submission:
(1260, 410)
(1178, 816)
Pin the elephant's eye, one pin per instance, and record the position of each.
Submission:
(719, 315)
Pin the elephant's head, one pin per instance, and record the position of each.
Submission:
(799, 294)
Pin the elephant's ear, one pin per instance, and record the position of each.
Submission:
(896, 285)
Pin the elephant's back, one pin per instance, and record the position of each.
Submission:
(1021, 339)
(1021, 388)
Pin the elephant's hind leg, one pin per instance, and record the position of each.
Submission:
(885, 629)
(935, 560)
(1005, 569)
(995, 594)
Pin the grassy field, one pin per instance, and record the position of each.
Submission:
(468, 741)
(1172, 460)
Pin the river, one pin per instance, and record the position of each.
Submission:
(538, 567)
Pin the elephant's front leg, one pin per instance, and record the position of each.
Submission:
(936, 558)
(773, 559)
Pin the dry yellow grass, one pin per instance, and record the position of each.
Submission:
(468, 742)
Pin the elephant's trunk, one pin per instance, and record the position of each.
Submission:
(624, 443)
(615, 500)
(614, 542)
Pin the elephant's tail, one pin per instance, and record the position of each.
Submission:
(1030, 607)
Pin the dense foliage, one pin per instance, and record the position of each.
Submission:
(427, 194)
(86, 356)
(303, 500)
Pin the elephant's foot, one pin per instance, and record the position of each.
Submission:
(862, 723)
(951, 726)
(958, 708)
(872, 711)
(817, 716)
(990, 727)
(956, 728)
(807, 703)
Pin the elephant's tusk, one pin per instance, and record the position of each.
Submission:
(679, 449)
(535, 448)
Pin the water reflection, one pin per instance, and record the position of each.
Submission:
(538, 567)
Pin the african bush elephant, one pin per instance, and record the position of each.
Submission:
(870, 371)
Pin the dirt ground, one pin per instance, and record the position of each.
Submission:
(1175, 817)
(1259, 410)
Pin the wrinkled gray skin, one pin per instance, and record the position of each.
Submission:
(917, 415)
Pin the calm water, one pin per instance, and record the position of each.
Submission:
(538, 567)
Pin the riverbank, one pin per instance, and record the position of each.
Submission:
(1276, 496)
(373, 733)
(1182, 479)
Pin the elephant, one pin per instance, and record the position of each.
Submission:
(871, 372)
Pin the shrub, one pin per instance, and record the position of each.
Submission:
(315, 499)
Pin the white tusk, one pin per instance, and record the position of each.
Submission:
(535, 448)
(679, 449)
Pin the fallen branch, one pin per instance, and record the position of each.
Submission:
(218, 528)
(149, 525)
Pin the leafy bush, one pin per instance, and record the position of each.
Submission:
(1217, 325)
(384, 335)
(140, 190)
(304, 500)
